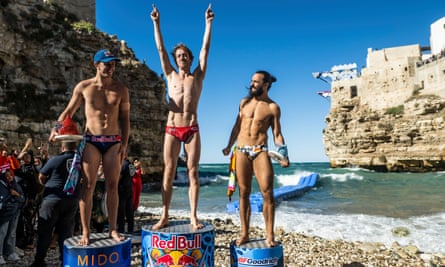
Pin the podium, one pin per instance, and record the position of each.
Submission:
(256, 253)
(178, 244)
(102, 251)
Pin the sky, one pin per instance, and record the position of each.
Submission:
(289, 38)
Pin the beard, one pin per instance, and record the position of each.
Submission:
(256, 93)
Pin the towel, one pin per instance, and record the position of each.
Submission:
(75, 170)
(231, 186)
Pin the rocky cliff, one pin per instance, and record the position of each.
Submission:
(44, 53)
(391, 117)
(410, 139)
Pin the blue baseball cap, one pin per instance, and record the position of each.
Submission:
(105, 55)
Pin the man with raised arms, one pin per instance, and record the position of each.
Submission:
(107, 129)
(257, 113)
(184, 90)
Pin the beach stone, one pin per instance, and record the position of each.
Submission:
(370, 247)
(400, 231)
(298, 249)
(411, 250)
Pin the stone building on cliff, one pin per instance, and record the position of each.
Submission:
(45, 51)
(390, 116)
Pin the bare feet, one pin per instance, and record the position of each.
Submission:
(242, 240)
(162, 223)
(116, 236)
(196, 224)
(84, 240)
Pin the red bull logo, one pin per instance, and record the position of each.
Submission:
(176, 242)
(184, 258)
(166, 260)
(178, 245)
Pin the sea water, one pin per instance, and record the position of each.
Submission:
(351, 204)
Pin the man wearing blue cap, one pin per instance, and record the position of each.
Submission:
(107, 128)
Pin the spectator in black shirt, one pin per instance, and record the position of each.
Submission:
(58, 210)
(27, 179)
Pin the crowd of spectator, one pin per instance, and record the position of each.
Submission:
(22, 190)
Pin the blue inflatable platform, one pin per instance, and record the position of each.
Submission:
(280, 194)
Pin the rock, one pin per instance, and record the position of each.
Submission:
(384, 121)
(400, 231)
(43, 56)
(298, 249)
(411, 250)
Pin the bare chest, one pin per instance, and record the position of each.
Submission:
(180, 87)
(255, 111)
(100, 98)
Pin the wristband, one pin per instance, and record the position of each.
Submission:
(282, 150)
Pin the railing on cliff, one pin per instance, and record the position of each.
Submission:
(337, 73)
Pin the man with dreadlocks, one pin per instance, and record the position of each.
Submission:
(257, 113)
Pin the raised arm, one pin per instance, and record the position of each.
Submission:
(203, 55)
(167, 67)
(25, 148)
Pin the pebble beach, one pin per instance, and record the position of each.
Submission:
(298, 249)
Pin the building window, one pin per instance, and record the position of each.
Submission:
(353, 91)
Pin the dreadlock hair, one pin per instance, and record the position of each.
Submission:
(267, 77)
